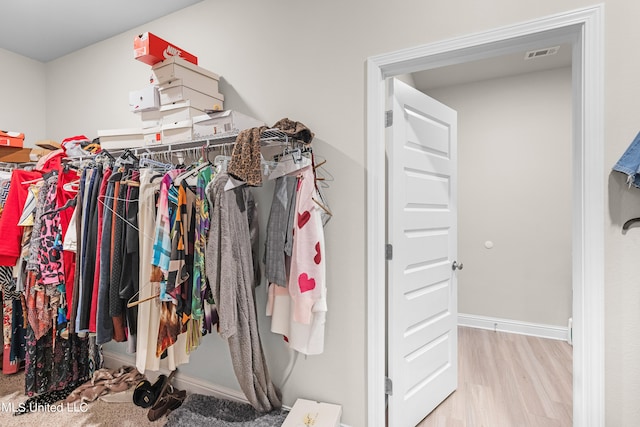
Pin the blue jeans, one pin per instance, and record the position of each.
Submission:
(629, 163)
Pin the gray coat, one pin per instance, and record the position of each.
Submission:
(232, 275)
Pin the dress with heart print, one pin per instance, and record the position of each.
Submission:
(306, 275)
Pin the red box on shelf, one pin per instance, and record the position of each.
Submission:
(11, 139)
(151, 49)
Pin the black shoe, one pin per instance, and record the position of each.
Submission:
(145, 394)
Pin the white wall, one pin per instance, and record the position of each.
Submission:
(514, 151)
(22, 96)
(306, 60)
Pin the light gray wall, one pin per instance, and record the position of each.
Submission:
(306, 60)
(22, 96)
(514, 151)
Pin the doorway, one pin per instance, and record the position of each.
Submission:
(583, 30)
(514, 188)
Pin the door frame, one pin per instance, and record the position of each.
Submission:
(584, 29)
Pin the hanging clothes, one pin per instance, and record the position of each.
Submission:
(149, 312)
(89, 250)
(306, 277)
(203, 309)
(117, 306)
(104, 324)
(180, 279)
(13, 331)
(129, 279)
(10, 231)
(93, 317)
(88, 180)
(12, 318)
(52, 361)
(230, 269)
(299, 311)
(167, 207)
(280, 222)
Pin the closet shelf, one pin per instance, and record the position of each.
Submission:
(270, 137)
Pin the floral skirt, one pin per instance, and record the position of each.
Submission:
(49, 367)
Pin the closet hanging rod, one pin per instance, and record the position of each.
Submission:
(269, 137)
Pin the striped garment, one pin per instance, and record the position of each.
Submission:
(200, 244)
(162, 241)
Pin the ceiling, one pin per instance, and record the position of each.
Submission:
(491, 68)
(45, 29)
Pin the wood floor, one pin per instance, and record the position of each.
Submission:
(508, 380)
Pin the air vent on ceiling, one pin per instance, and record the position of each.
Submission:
(542, 52)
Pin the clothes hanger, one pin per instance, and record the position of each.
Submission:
(155, 164)
(32, 181)
(69, 204)
(196, 166)
(233, 183)
(73, 186)
(128, 154)
(221, 162)
(323, 207)
(134, 303)
(191, 173)
(107, 154)
(289, 163)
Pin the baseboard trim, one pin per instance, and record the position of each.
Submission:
(514, 326)
(181, 381)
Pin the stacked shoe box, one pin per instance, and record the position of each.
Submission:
(179, 90)
(145, 103)
(185, 90)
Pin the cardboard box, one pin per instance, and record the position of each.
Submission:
(146, 99)
(12, 139)
(191, 75)
(152, 135)
(220, 122)
(15, 154)
(177, 132)
(151, 49)
(114, 139)
(307, 412)
(201, 101)
(48, 144)
(178, 112)
(37, 153)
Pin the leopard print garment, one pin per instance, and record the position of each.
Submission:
(246, 157)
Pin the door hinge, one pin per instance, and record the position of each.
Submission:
(388, 118)
(388, 252)
(388, 386)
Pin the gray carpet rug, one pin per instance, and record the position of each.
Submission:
(201, 410)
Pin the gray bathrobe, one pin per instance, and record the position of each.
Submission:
(232, 275)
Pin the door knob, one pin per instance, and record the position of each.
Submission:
(455, 266)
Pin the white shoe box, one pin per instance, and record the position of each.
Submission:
(316, 414)
(172, 93)
(145, 99)
(111, 139)
(221, 122)
(177, 132)
(178, 112)
(191, 75)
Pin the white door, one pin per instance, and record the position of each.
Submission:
(422, 356)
